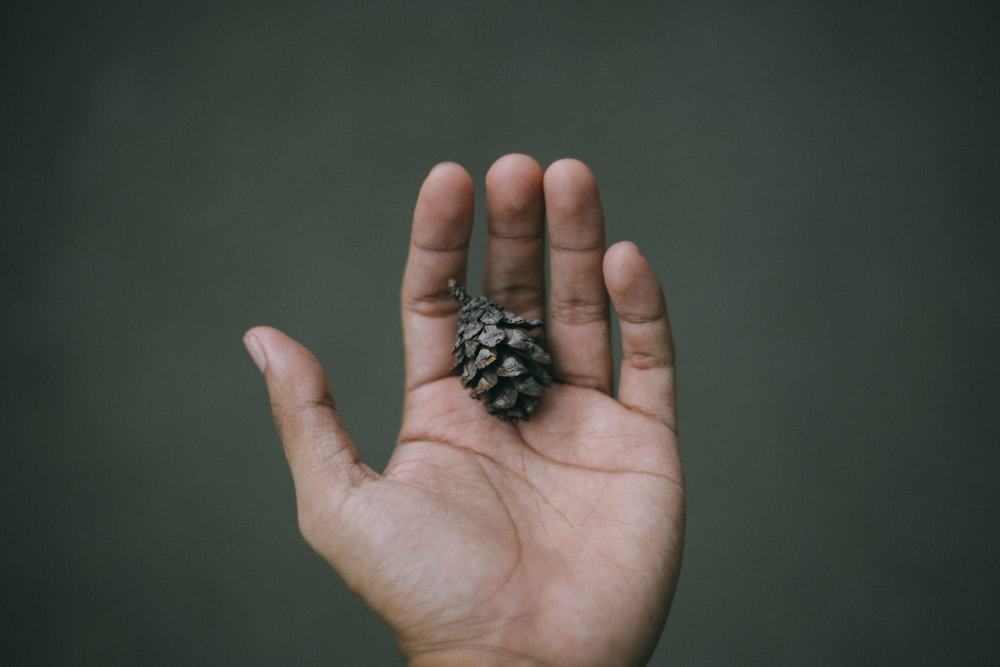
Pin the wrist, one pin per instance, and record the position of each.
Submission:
(478, 657)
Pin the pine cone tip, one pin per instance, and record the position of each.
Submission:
(458, 292)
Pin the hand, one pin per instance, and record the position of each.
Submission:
(555, 541)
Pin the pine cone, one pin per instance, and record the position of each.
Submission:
(499, 361)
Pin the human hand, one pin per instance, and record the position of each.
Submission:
(555, 541)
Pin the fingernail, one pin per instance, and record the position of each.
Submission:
(256, 351)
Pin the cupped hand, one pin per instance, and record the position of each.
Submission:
(555, 541)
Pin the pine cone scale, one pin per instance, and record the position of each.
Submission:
(485, 357)
(492, 335)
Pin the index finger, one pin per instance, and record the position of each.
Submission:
(439, 246)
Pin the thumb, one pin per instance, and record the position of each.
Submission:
(319, 450)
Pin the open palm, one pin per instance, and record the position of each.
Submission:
(555, 541)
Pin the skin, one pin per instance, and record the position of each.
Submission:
(555, 541)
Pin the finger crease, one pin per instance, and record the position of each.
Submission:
(504, 294)
(643, 362)
(524, 238)
(597, 246)
(579, 312)
(440, 248)
(581, 380)
(324, 400)
(435, 305)
(632, 318)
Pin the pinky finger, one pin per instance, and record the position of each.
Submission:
(646, 383)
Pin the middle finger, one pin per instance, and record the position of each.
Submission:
(514, 275)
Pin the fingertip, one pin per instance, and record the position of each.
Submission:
(618, 259)
(568, 167)
(625, 246)
(516, 165)
(264, 344)
(255, 349)
(631, 282)
(283, 360)
(514, 188)
(443, 213)
(565, 180)
(260, 340)
(448, 174)
(261, 331)
(447, 165)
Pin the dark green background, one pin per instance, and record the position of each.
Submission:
(817, 184)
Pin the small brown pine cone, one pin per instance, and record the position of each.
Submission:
(499, 362)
